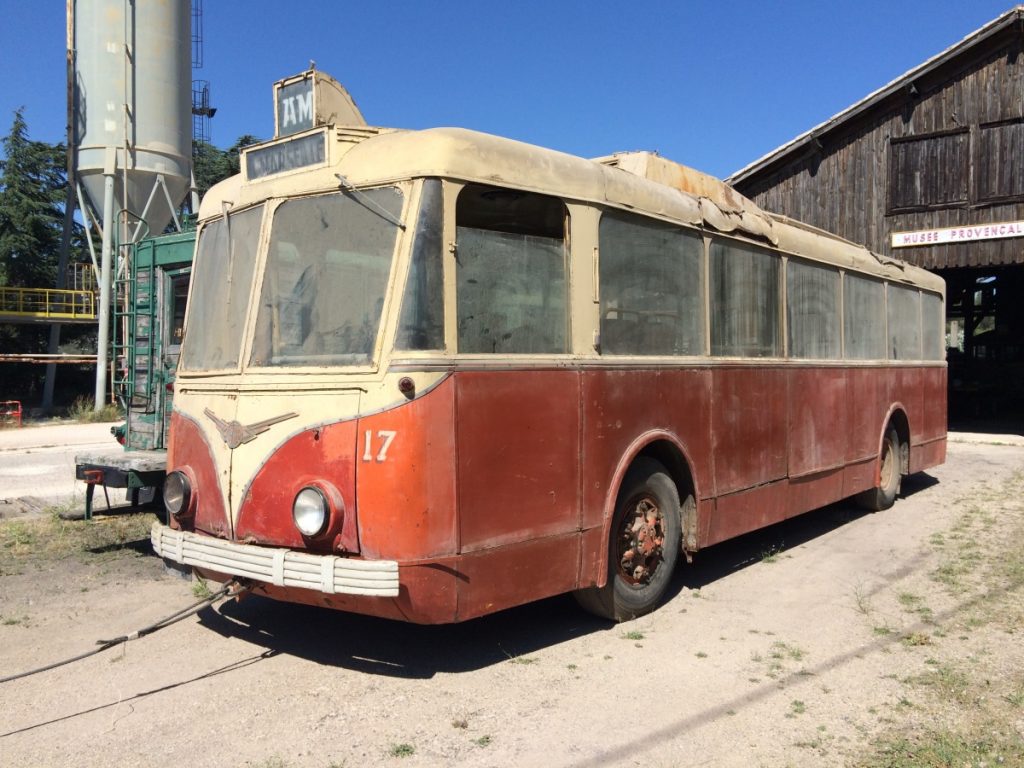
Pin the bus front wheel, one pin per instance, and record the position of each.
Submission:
(884, 494)
(643, 547)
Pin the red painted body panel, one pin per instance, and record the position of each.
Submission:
(407, 507)
(933, 425)
(499, 485)
(927, 455)
(867, 407)
(529, 570)
(813, 491)
(817, 420)
(323, 455)
(519, 456)
(745, 511)
(189, 451)
(859, 476)
(749, 424)
(620, 406)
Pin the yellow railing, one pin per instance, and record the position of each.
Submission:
(47, 304)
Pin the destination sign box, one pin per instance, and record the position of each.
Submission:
(295, 106)
(300, 152)
(312, 99)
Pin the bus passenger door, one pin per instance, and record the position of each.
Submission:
(518, 481)
(517, 411)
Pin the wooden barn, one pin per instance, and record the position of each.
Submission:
(930, 169)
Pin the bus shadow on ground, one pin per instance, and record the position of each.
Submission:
(716, 562)
(396, 649)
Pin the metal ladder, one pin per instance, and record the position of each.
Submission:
(137, 323)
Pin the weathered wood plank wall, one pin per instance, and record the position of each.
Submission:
(843, 183)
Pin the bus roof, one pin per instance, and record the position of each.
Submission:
(642, 182)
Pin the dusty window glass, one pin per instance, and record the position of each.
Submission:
(510, 272)
(512, 293)
(325, 279)
(651, 288)
(864, 318)
(904, 323)
(421, 325)
(223, 272)
(933, 327)
(744, 300)
(812, 311)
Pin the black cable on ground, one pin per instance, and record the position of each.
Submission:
(165, 622)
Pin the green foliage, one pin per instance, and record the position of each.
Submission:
(32, 188)
(943, 748)
(211, 164)
(32, 192)
(402, 750)
(84, 410)
(200, 589)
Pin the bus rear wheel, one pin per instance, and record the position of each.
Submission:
(884, 494)
(643, 548)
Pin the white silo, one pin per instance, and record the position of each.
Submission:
(132, 99)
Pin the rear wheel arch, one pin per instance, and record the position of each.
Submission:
(668, 451)
(673, 458)
(657, 469)
(898, 421)
(893, 462)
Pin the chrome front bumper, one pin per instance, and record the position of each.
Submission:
(281, 567)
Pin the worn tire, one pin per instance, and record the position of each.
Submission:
(639, 573)
(884, 494)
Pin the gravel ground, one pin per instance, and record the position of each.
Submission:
(795, 646)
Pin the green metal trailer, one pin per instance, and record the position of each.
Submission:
(149, 324)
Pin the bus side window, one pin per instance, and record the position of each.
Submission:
(904, 315)
(812, 311)
(864, 318)
(933, 333)
(744, 300)
(511, 288)
(421, 324)
(651, 287)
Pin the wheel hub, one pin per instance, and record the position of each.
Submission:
(641, 538)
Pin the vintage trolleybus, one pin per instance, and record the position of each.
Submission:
(428, 375)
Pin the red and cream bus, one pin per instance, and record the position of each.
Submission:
(432, 374)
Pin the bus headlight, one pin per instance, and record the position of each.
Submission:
(177, 493)
(310, 511)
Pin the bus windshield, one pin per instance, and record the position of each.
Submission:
(326, 274)
(225, 258)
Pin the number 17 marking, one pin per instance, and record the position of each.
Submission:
(386, 436)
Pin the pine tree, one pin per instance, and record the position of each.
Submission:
(211, 164)
(32, 181)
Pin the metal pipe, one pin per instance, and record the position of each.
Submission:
(90, 224)
(69, 199)
(102, 342)
(194, 190)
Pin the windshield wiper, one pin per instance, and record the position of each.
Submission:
(368, 202)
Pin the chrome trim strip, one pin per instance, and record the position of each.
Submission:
(275, 565)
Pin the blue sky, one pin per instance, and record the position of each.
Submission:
(714, 85)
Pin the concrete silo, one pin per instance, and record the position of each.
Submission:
(133, 122)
